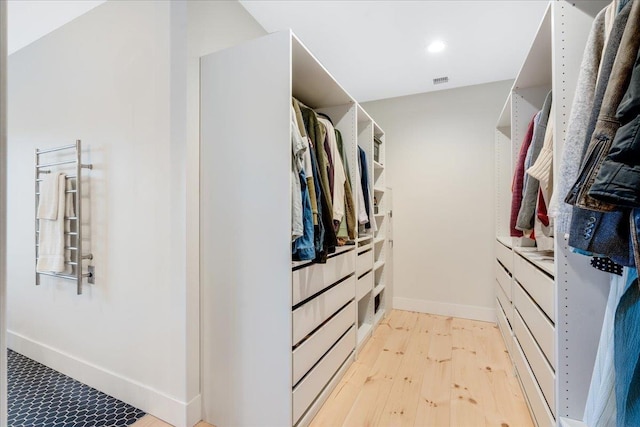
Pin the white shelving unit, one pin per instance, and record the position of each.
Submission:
(370, 260)
(549, 305)
(277, 335)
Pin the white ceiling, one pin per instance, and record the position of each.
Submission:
(377, 49)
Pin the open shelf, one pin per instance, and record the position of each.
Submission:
(378, 265)
(378, 240)
(377, 166)
(378, 289)
(378, 190)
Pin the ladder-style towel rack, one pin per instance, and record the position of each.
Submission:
(71, 162)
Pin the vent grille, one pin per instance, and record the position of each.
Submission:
(440, 80)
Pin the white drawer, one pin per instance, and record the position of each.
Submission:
(540, 326)
(313, 278)
(537, 362)
(502, 276)
(310, 351)
(504, 326)
(310, 387)
(504, 255)
(364, 262)
(311, 315)
(507, 307)
(364, 285)
(537, 403)
(537, 284)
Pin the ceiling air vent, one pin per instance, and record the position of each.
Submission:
(440, 80)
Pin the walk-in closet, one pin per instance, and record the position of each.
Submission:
(262, 213)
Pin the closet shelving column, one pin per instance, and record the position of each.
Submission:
(551, 304)
(277, 336)
(581, 291)
(380, 215)
(365, 245)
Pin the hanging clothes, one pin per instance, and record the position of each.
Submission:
(530, 191)
(542, 170)
(600, 410)
(298, 146)
(308, 167)
(347, 230)
(339, 176)
(518, 179)
(303, 247)
(363, 215)
(366, 190)
(576, 139)
(599, 232)
(317, 134)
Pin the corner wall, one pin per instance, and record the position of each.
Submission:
(124, 79)
(440, 165)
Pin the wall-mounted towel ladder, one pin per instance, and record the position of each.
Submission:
(71, 164)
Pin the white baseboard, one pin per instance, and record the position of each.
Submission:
(153, 402)
(472, 312)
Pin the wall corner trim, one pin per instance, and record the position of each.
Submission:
(472, 312)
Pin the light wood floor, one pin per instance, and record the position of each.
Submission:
(424, 370)
(427, 370)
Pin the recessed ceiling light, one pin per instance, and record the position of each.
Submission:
(436, 46)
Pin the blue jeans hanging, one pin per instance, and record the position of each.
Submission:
(626, 354)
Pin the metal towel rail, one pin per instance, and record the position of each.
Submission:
(75, 233)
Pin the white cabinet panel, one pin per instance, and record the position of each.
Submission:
(311, 315)
(310, 351)
(313, 278)
(538, 284)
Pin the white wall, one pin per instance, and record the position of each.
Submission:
(439, 158)
(123, 78)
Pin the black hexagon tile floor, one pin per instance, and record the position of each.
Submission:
(42, 397)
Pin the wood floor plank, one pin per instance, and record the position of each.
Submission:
(505, 405)
(466, 398)
(367, 409)
(402, 403)
(434, 403)
(340, 401)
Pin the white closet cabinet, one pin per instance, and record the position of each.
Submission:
(549, 305)
(276, 336)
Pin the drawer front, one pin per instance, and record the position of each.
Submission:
(364, 262)
(541, 328)
(504, 255)
(538, 285)
(537, 362)
(313, 278)
(311, 315)
(310, 351)
(364, 285)
(310, 387)
(504, 279)
(504, 326)
(507, 307)
(537, 403)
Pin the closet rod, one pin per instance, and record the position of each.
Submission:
(51, 150)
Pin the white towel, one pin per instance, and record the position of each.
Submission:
(51, 250)
(48, 204)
